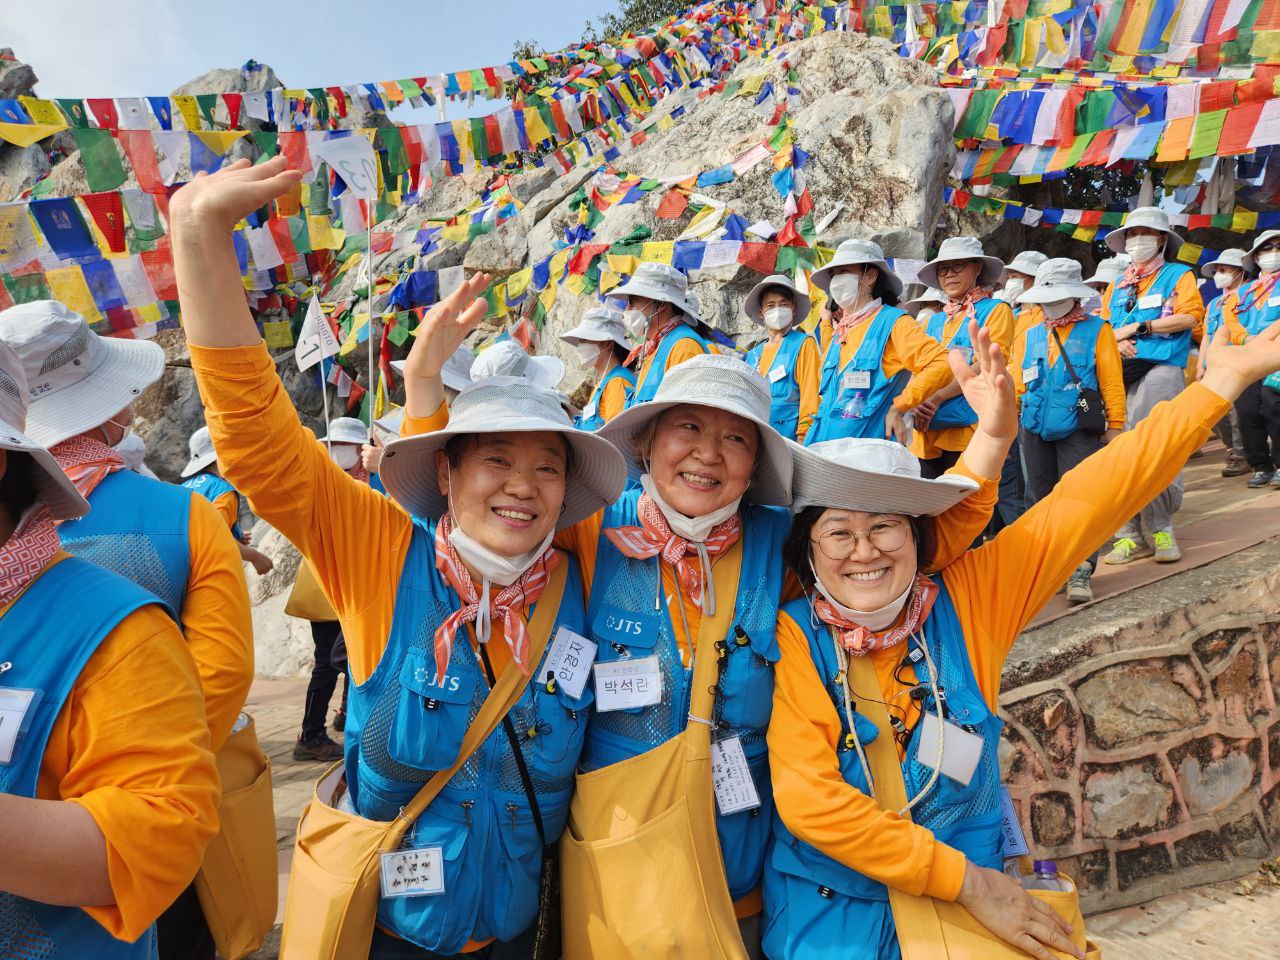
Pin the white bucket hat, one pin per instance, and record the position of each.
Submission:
(504, 405)
(1247, 261)
(508, 359)
(752, 305)
(599, 325)
(660, 281)
(870, 475)
(962, 248)
(77, 379)
(923, 299)
(1028, 262)
(855, 252)
(346, 430)
(1230, 257)
(390, 423)
(1154, 219)
(202, 452)
(1110, 270)
(456, 372)
(53, 487)
(1057, 279)
(723, 383)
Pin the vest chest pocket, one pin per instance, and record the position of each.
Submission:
(432, 715)
(746, 688)
(622, 634)
(965, 711)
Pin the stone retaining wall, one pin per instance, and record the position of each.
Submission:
(1142, 747)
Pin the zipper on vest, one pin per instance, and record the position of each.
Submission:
(511, 809)
(466, 811)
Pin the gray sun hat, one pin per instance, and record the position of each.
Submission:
(506, 358)
(660, 281)
(504, 405)
(1152, 218)
(962, 248)
(599, 325)
(76, 379)
(870, 475)
(855, 252)
(1247, 261)
(1110, 270)
(202, 453)
(722, 383)
(752, 305)
(930, 295)
(53, 487)
(1057, 279)
(1230, 257)
(346, 430)
(1027, 262)
(456, 372)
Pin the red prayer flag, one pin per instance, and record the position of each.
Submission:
(104, 108)
(159, 267)
(339, 99)
(233, 101)
(139, 147)
(107, 210)
(789, 236)
(673, 204)
(1099, 150)
(357, 392)
(293, 144)
(1238, 127)
(759, 257)
(284, 241)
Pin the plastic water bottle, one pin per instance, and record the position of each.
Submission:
(1045, 877)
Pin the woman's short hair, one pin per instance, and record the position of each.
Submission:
(795, 549)
(455, 448)
(18, 485)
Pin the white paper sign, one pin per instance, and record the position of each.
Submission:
(777, 373)
(316, 339)
(570, 659)
(413, 873)
(731, 777)
(627, 684)
(14, 705)
(856, 380)
(961, 750)
(352, 159)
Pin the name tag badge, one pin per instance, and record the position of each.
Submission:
(15, 704)
(731, 778)
(777, 373)
(570, 661)
(589, 411)
(413, 873)
(961, 750)
(1015, 841)
(1151, 301)
(856, 380)
(1274, 301)
(628, 684)
(1031, 374)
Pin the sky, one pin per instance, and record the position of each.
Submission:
(131, 48)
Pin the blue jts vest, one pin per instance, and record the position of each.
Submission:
(647, 386)
(1049, 405)
(46, 638)
(956, 412)
(856, 398)
(138, 528)
(1257, 311)
(591, 419)
(211, 488)
(1127, 307)
(816, 907)
(1213, 317)
(624, 620)
(405, 723)
(784, 388)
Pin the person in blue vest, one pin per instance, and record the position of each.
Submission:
(1019, 274)
(885, 737)
(924, 305)
(1153, 308)
(200, 475)
(788, 357)
(165, 538)
(601, 344)
(108, 790)
(1067, 351)
(1226, 272)
(661, 314)
(878, 364)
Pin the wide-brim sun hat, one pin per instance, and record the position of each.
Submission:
(1230, 257)
(929, 296)
(870, 475)
(53, 487)
(504, 405)
(962, 248)
(456, 372)
(1057, 280)
(1153, 218)
(76, 379)
(1027, 262)
(390, 423)
(346, 430)
(202, 452)
(599, 325)
(721, 383)
(751, 307)
(1110, 270)
(1248, 261)
(664, 283)
(506, 358)
(855, 252)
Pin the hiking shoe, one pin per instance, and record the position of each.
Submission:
(1078, 588)
(1166, 547)
(1275, 480)
(1261, 478)
(1127, 550)
(320, 748)
(340, 721)
(1236, 466)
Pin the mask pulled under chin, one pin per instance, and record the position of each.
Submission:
(873, 620)
(693, 529)
(493, 567)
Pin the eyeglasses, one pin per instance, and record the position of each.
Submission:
(955, 266)
(1271, 246)
(886, 536)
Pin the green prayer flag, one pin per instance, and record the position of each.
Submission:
(320, 97)
(299, 233)
(101, 159)
(731, 89)
(647, 185)
(1093, 111)
(410, 88)
(207, 102)
(977, 115)
(75, 112)
(479, 141)
(1207, 133)
(268, 143)
(398, 332)
(1078, 146)
(27, 288)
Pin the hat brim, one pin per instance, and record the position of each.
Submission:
(1247, 262)
(1115, 239)
(575, 336)
(915, 306)
(449, 376)
(771, 479)
(1208, 270)
(53, 487)
(408, 470)
(821, 278)
(126, 369)
(751, 307)
(819, 482)
(198, 463)
(638, 288)
(992, 270)
(1067, 291)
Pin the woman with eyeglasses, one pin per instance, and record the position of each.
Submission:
(873, 635)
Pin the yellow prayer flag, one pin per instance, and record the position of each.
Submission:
(575, 283)
(277, 334)
(361, 321)
(1242, 221)
(518, 282)
(621, 263)
(458, 232)
(1190, 252)
(751, 86)
(323, 235)
(148, 312)
(189, 110)
(548, 296)
(665, 122)
(608, 280)
(25, 134)
(1266, 46)
(68, 286)
(558, 262)
(43, 111)
(657, 251)
(220, 141)
(1084, 233)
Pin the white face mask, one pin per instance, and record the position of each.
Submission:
(845, 288)
(636, 321)
(1223, 279)
(1013, 289)
(131, 450)
(693, 529)
(1269, 262)
(1056, 311)
(873, 620)
(778, 318)
(344, 455)
(1141, 249)
(924, 315)
(588, 352)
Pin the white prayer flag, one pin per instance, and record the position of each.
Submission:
(316, 340)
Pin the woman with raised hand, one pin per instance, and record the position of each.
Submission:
(435, 589)
(886, 668)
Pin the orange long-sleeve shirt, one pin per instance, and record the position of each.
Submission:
(808, 372)
(131, 746)
(613, 398)
(997, 589)
(228, 506)
(682, 351)
(909, 348)
(1107, 361)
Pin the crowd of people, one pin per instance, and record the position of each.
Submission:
(749, 616)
